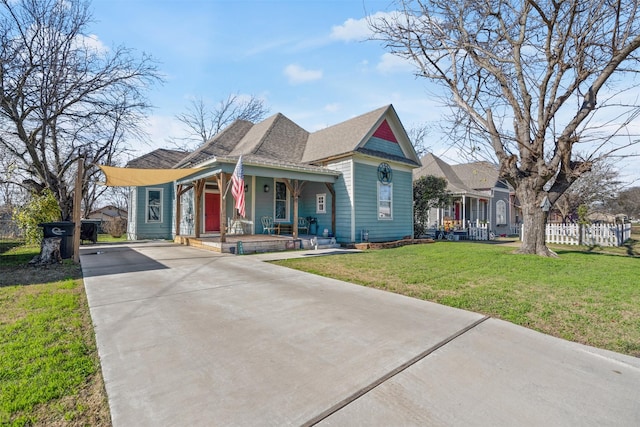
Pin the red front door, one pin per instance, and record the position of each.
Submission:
(211, 212)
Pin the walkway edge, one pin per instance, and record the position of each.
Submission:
(358, 394)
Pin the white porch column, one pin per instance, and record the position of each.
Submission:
(464, 211)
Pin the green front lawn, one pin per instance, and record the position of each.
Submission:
(49, 365)
(584, 297)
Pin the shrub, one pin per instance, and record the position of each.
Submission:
(41, 208)
(116, 227)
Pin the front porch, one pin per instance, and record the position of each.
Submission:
(255, 243)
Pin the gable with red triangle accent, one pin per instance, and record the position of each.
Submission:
(384, 132)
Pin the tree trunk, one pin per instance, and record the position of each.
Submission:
(49, 252)
(534, 221)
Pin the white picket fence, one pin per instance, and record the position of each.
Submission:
(478, 232)
(594, 234)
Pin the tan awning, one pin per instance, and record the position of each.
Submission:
(131, 177)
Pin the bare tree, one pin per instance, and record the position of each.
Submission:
(203, 122)
(627, 202)
(418, 135)
(594, 189)
(64, 96)
(524, 78)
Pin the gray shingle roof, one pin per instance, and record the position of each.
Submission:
(220, 145)
(161, 158)
(478, 175)
(279, 140)
(342, 138)
(432, 165)
(276, 138)
(466, 178)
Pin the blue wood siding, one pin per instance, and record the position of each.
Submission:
(307, 206)
(344, 202)
(383, 146)
(154, 230)
(264, 201)
(366, 205)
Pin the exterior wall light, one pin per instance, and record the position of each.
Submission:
(266, 188)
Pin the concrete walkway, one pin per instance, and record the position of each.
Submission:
(189, 337)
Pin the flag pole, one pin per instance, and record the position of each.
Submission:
(224, 196)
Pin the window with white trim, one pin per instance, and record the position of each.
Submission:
(385, 201)
(153, 205)
(321, 203)
(281, 204)
(501, 212)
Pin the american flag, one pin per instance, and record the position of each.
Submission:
(237, 187)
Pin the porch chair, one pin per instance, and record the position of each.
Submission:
(267, 225)
(303, 224)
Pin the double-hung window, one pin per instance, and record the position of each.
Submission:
(321, 203)
(281, 207)
(154, 205)
(385, 201)
(501, 212)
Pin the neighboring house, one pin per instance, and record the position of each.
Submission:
(352, 179)
(107, 213)
(479, 196)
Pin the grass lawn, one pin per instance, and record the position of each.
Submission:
(582, 296)
(49, 365)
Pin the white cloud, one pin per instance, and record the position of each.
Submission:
(332, 108)
(358, 29)
(296, 74)
(390, 63)
(92, 42)
(351, 30)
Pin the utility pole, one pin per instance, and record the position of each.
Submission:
(77, 201)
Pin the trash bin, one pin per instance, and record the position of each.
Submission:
(63, 229)
(89, 230)
(313, 225)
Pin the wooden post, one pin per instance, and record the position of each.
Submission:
(222, 183)
(333, 206)
(295, 189)
(178, 208)
(198, 188)
(77, 211)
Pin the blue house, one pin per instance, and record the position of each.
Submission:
(351, 181)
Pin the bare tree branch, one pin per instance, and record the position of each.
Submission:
(525, 78)
(61, 97)
(203, 122)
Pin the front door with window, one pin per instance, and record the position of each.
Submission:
(211, 212)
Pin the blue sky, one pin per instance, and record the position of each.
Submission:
(307, 59)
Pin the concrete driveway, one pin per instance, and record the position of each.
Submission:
(189, 337)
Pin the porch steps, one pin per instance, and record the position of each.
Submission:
(258, 244)
(319, 243)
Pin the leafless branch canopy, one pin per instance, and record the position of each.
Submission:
(203, 122)
(63, 94)
(526, 75)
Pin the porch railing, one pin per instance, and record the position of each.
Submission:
(478, 231)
